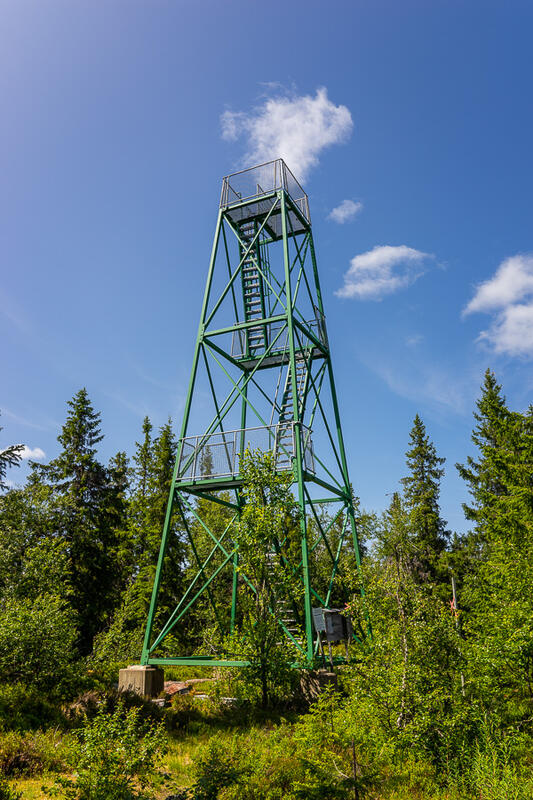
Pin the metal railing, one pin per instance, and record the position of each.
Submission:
(255, 182)
(217, 455)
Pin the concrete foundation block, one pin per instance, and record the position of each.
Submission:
(147, 681)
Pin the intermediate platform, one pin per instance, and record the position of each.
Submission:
(216, 457)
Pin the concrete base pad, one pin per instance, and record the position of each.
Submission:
(144, 680)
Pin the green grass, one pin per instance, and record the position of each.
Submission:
(31, 788)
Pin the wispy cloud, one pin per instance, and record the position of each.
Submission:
(439, 388)
(381, 271)
(345, 211)
(36, 454)
(46, 425)
(293, 127)
(13, 312)
(139, 410)
(148, 377)
(508, 296)
(414, 340)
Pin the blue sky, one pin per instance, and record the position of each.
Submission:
(414, 120)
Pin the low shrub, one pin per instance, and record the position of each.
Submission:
(495, 773)
(263, 764)
(24, 708)
(216, 769)
(37, 640)
(183, 709)
(89, 704)
(117, 757)
(27, 754)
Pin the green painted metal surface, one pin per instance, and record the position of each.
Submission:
(262, 357)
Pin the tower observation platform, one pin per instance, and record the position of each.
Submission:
(261, 378)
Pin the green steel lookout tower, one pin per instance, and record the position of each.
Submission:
(261, 378)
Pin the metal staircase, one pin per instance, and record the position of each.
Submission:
(284, 606)
(252, 291)
(284, 436)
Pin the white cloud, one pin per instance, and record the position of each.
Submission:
(295, 128)
(512, 330)
(508, 295)
(414, 340)
(382, 270)
(345, 212)
(36, 454)
(512, 281)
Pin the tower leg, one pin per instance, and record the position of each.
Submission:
(157, 581)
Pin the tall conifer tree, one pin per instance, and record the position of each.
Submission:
(499, 585)
(485, 475)
(422, 490)
(84, 517)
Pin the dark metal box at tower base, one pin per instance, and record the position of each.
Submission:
(318, 620)
(333, 623)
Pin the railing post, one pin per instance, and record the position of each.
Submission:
(195, 458)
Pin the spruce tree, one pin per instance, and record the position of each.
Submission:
(143, 458)
(9, 457)
(406, 680)
(486, 475)
(84, 517)
(498, 588)
(421, 491)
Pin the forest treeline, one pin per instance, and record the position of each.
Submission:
(437, 702)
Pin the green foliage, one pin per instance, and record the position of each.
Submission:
(83, 506)
(10, 456)
(45, 570)
(215, 769)
(26, 708)
(27, 520)
(214, 610)
(421, 490)
(341, 750)
(267, 533)
(117, 757)
(8, 791)
(37, 639)
(437, 704)
(405, 684)
(257, 764)
(498, 581)
(139, 536)
(495, 775)
(27, 754)
(484, 476)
